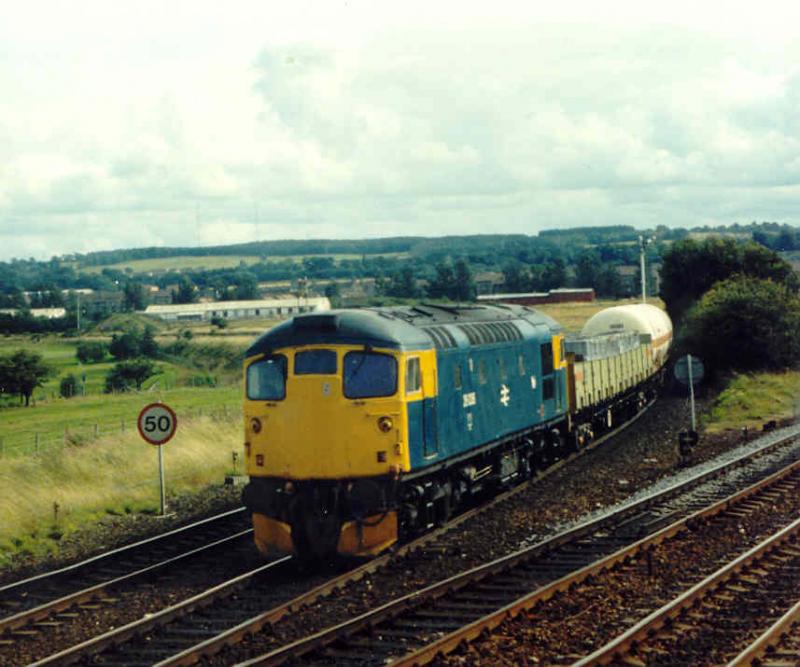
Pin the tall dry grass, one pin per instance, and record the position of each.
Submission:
(113, 475)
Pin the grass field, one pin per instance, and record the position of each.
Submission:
(190, 262)
(59, 353)
(110, 476)
(54, 422)
(752, 399)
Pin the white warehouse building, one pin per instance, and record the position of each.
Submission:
(231, 310)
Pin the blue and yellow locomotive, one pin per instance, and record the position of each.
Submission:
(365, 427)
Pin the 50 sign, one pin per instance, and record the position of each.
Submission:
(157, 423)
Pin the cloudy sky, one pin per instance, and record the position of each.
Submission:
(197, 123)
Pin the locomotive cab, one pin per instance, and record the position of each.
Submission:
(327, 426)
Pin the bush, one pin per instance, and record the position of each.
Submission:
(745, 324)
(68, 387)
(127, 375)
(219, 322)
(91, 352)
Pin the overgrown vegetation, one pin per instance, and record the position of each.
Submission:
(734, 304)
(750, 399)
(745, 323)
(114, 475)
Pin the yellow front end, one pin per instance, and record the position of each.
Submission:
(316, 432)
(317, 435)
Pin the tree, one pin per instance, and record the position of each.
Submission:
(22, 372)
(403, 284)
(554, 274)
(127, 375)
(91, 351)
(127, 345)
(514, 279)
(148, 347)
(246, 286)
(587, 269)
(442, 286)
(186, 292)
(464, 286)
(68, 386)
(691, 268)
(609, 282)
(745, 323)
(134, 296)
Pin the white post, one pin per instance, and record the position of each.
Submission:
(161, 479)
(641, 268)
(691, 390)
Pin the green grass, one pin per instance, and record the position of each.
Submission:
(161, 264)
(76, 420)
(752, 399)
(59, 354)
(190, 262)
(110, 476)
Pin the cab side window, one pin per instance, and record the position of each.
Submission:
(413, 376)
(547, 358)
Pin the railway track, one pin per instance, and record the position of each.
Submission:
(49, 600)
(777, 646)
(417, 628)
(206, 623)
(32, 599)
(706, 624)
(242, 595)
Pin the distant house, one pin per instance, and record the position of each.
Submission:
(103, 303)
(229, 310)
(45, 313)
(488, 282)
(560, 295)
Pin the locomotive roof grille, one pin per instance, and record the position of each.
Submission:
(441, 337)
(486, 333)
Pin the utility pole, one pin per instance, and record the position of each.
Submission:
(643, 243)
(78, 309)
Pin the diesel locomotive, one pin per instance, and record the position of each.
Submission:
(365, 427)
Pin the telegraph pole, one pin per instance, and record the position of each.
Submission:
(643, 243)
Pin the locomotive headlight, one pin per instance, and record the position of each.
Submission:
(385, 424)
(255, 425)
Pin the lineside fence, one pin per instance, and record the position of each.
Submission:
(76, 434)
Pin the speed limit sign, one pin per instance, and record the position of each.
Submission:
(157, 423)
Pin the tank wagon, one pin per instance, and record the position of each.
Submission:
(365, 427)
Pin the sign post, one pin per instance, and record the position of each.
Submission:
(689, 371)
(157, 424)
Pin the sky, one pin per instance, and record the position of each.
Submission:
(151, 123)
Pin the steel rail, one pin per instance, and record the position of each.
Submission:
(617, 648)
(94, 561)
(47, 609)
(118, 635)
(235, 634)
(765, 647)
(436, 591)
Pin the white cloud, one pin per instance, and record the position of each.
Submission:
(190, 123)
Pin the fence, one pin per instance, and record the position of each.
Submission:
(32, 441)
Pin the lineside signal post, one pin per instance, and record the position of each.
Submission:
(689, 371)
(157, 424)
